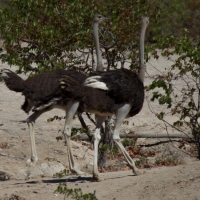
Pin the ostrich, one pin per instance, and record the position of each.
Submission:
(117, 92)
(44, 92)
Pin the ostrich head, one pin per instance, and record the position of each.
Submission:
(99, 18)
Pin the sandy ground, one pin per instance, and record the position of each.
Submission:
(168, 183)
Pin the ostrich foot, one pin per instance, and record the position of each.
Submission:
(96, 178)
(30, 163)
(137, 172)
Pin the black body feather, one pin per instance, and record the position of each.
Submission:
(96, 100)
(13, 81)
(46, 88)
(124, 87)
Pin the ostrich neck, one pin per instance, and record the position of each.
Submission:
(141, 69)
(97, 47)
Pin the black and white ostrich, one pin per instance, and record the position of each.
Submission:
(117, 92)
(42, 93)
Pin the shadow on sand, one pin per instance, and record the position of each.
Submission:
(79, 179)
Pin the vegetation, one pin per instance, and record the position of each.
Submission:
(183, 102)
(172, 160)
(42, 35)
(72, 193)
(12, 197)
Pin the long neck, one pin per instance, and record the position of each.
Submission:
(141, 69)
(97, 47)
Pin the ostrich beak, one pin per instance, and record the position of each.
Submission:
(107, 18)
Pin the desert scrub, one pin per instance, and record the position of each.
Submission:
(172, 160)
(75, 193)
(142, 162)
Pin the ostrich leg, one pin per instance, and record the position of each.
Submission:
(97, 137)
(70, 112)
(34, 158)
(31, 121)
(120, 116)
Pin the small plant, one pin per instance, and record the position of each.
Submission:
(142, 162)
(74, 131)
(172, 160)
(126, 122)
(75, 193)
(126, 142)
(55, 118)
(112, 151)
(4, 145)
(13, 197)
(62, 173)
(105, 147)
(78, 130)
(58, 138)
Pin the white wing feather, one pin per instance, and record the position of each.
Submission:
(95, 83)
(3, 73)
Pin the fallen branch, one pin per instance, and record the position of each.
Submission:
(150, 135)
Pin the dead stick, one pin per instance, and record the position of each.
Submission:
(150, 135)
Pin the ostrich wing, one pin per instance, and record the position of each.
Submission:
(72, 86)
(43, 87)
(122, 84)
